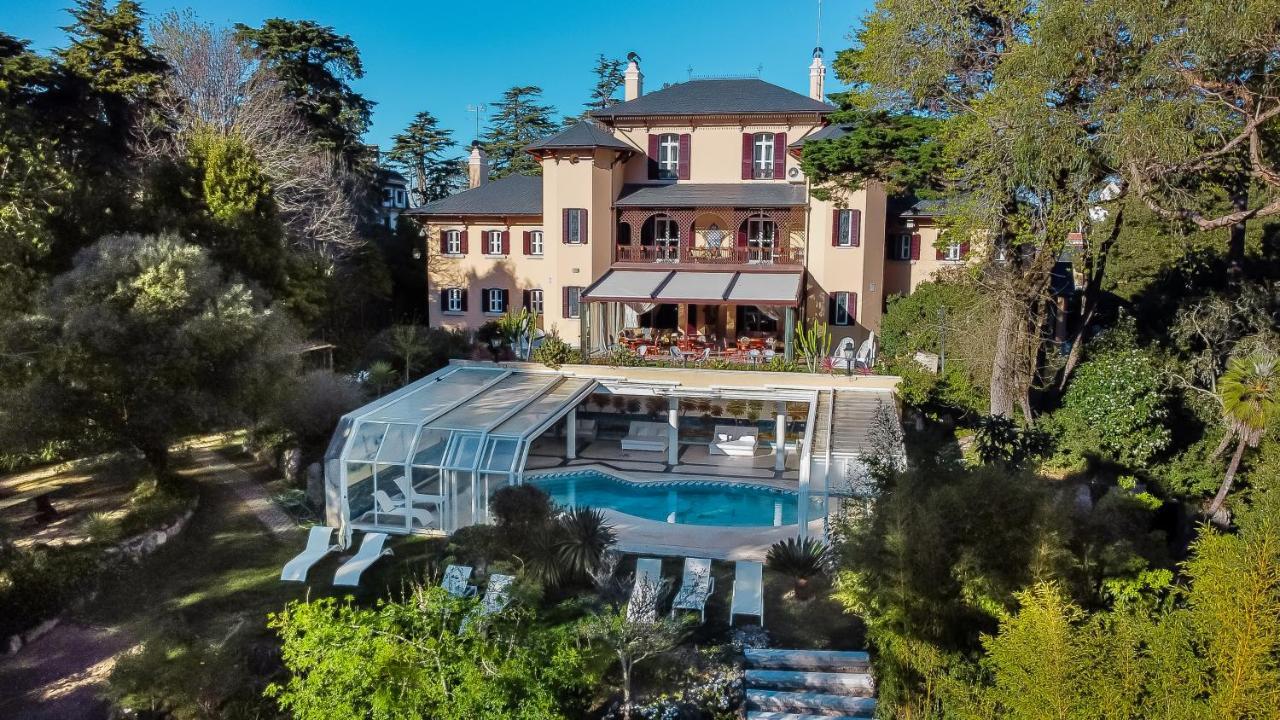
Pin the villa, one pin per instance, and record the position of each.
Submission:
(681, 215)
(721, 463)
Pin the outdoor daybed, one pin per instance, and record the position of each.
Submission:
(733, 440)
(646, 436)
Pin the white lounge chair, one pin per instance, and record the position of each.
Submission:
(370, 552)
(696, 586)
(865, 358)
(397, 508)
(318, 545)
(497, 594)
(415, 497)
(456, 579)
(650, 436)
(586, 429)
(839, 358)
(733, 440)
(646, 592)
(748, 590)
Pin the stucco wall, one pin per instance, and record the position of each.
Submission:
(715, 151)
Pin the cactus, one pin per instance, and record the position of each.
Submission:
(814, 343)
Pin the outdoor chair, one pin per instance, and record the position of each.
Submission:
(839, 356)
(497, 595)
(676, 354)
(748, 590)
(733, 440)
(696, 586)
(318, 545)
(415, 497)
(397, 508)
(455, 581)
(650, 436)
(371, 550)
(646, 592)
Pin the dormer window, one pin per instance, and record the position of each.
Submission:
(762, 156)
(668, 156)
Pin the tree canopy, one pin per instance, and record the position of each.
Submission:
(519, 120)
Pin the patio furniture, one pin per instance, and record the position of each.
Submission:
(397, 508)
(318, 545)
(645, 593)
(414, 496)
(370, 552)
(839, 359)
(647, 436)
(866, 356)
(748, 590)
(586, 429)
(497, 595)
(733, 441)
(696, 586)
(455, 581)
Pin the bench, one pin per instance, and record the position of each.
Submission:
(648, 436)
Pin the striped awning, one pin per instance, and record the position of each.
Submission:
(695, 286)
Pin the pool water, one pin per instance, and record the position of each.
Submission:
(685, 502)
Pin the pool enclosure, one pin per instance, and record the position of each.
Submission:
(427, 458)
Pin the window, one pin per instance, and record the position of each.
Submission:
(760, 237)
(902, 247)
(953, 252)
(840, 312)
(751, 320)
(453, 300)
(666, 236)
(401, 199)
(535, 243)
(668, 156)
(495, 301)
(575, 232)
(453, 242)
(762, 156)
(493, 240)
(573, 302)
(388, 196)
(845, 229)
(535, 301)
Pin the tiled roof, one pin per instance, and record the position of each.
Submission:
(583, 135)
(512, 195)
(830, 132)
(916, 207)
(716, 97)
(772, 194)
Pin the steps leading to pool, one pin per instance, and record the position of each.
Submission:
(809, 685)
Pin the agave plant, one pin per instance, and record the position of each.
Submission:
(802, 560)
(585, 536)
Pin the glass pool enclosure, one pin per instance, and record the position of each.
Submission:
(428, 457)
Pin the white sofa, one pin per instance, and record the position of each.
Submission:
(733, 440)
(646, 436)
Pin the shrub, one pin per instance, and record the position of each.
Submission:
(584, 537)
(38, 583)
(521, 507)
(316, 401)
(554, 352)
(800, 560)
(175, 675)
(1116, 407)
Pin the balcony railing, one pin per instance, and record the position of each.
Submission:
(702, 255)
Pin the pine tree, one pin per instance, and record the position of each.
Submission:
(608, 72)
(519, 120)
(420, 149)
(110, 52)
(316, 65)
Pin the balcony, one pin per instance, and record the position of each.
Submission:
(703, 255)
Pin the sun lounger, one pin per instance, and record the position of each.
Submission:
(370, 552)
(497, 595)
(733, 440)
(397, 509)
(456, 579)
(696, 586)
(643, 605)
(748, 590)
(646, 436)
(318, 545)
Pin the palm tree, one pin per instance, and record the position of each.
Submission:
(1250, 394)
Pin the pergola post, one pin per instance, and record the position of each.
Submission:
(780, 437)
(673, 428)
(571, 434)
(789, 336)
(584, 329)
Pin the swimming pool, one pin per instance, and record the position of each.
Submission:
(685, 502)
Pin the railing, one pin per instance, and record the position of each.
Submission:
(702, 255)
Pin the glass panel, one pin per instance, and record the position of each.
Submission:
(426, 481)
(429, 400)
(367, 440)
(483, 410)
(540, 410)
(430, 447)
(395, 444)
(500, 456)
(463, 451)
(339, 439)
(360, 489)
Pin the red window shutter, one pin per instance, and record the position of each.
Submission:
(746, 156)
(855, 227)
(444, 300)
(653, 156)
(528, 242)
(835, 227)
(506, 300)
(506, 242)
(525, 300)
(964, 249)
(853, 308)
(742, 238)
(444, 243)
(465, 293)
(586, 235)
(831, 308)
(683, 161)
(464, 242)
(564, 304)
(779, 156)
(564, 224)
(915, 246)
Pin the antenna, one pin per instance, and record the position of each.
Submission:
(759, 69)
(690, 71)
(478, 109)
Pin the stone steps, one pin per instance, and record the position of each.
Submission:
(769, 715)
(854, 661)
(852, 684)
(810, 703)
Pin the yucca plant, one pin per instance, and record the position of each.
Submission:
(802, 560)
(585, 536)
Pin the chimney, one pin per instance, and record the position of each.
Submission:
(632, 79)
(477, 166)
(817, 75)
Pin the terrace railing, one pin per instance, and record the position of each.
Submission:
(703, 255)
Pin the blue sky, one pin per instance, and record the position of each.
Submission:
(442, 57)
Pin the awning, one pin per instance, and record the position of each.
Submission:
(698, 287)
